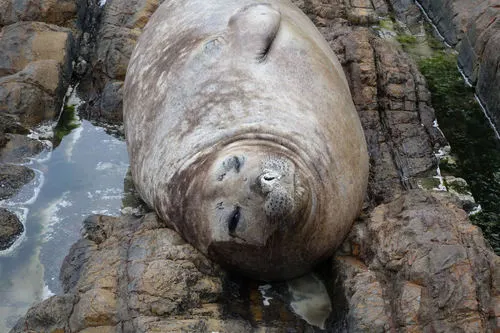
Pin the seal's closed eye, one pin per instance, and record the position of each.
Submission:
(231, 163)
(234, 218)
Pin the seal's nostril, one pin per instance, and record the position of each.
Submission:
(269, 178)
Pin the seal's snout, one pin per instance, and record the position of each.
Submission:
(268, 181)
(279, 203)
(276, 183)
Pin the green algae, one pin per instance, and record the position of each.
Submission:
(67, 122)
(387, 24)
(457, 185)
(472, 140)
(406, 40)
(429, 183)
(448, 165)
(475, 150)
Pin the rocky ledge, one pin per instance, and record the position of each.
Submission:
(473, 29)
(413, 262)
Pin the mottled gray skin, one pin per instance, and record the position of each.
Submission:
(242, 134)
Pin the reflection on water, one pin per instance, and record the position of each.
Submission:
(83, 175)
(310, 299)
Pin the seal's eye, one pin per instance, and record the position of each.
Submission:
(231, 163)
(234, 219)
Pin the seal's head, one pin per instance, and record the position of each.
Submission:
(252, 194)
(249, 200)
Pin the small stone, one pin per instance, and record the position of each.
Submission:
(12, 178)
(10, 228)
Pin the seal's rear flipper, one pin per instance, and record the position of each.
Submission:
(253, 29)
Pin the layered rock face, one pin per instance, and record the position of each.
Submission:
(473, 29)
(36, 67)
(479, 56)
(412, 262)
(58, 12)
(394, 106)
(120, 26)
(418, 265)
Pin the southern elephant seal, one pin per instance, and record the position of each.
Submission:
(242, 133)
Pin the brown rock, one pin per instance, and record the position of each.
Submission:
(50, 315)
(36, 68)
(321, 12)
(33, 94)
(428, 268)
(394, 109)
(59, 12)
(25, 42)
(96, 307)
(367, 306)
(12, 178)
(121, 25)
(10, 228)
(18, 148)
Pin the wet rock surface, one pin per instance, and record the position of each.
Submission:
(12, 178)
(473, 29)
(412, 262)
(10, 228)
(451, 17)
(18, 148)
(479, 56)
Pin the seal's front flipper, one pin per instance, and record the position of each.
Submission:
(253, 29)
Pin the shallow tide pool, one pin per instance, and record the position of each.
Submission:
(83, 175)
